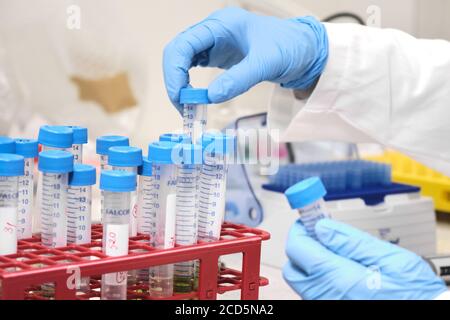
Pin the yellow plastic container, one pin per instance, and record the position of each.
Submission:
(408, 171)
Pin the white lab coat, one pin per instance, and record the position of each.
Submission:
(381, 86)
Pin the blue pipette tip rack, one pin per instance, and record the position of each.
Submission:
(343, 180)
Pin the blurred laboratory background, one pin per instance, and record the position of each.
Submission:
(107, 75)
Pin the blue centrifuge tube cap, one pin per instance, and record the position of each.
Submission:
(194, 96)
(55, 161)
(11, 165)
(56, 137)
(125, 157)
(305, 193)
(27, 148)
(118, 181)
(106, 142)
(82, 175)
(7, 145)
(165, 153)
(146, 169)
(80, 135)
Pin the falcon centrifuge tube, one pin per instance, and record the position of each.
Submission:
(29, 149)
(116, 187)
(80, 137)
(55, 167)
(79, 208)
(307, 198)
(145, 199)
(163, 157)
(187, 212)
(11, 168)
(218, 149)
(51, 138)
(127, 159)
(79, 203)
(195, 112)
(104, 143)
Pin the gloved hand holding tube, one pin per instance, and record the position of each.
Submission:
(251, 48)
(348, 264)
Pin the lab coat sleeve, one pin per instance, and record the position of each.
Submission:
(379, 85)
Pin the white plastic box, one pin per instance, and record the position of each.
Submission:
(408, 220)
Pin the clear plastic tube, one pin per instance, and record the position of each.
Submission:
(307, 197)
(213, 180)
(77, 151)
(8, 215)
(146, 209)
(103, 166)
(195, 120)
(79, 207)
(146, 216)
(26, 200)
(104, 162)
(161, 277)
(133, 222)
(116, 213)
(312, 214)
(133, 202)
(186, 223)
(38, 218)
(53, 210)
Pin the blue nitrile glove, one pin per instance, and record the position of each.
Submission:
(252, 48)
(349, 264)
